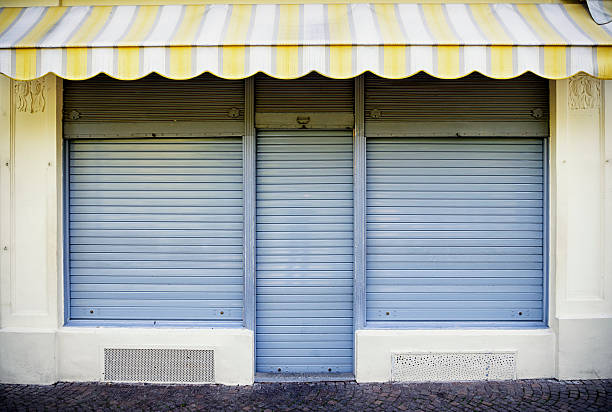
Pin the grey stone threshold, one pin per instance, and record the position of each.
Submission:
(303, 377)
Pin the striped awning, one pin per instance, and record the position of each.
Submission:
(287, 41)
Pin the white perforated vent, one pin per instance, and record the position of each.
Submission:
(159, 365)
(421, 367)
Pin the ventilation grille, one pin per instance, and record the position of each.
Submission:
(423, 367)
(159, 365)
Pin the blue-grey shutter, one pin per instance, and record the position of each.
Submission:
(455, 229)
(155, 229)
(304, 251)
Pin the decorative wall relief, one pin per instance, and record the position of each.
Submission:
(584, 92)
(30, 95)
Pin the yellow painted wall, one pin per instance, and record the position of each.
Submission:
(581, 185)
(29, 182)
(583, 152)
(30, 284)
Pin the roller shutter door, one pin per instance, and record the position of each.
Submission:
(304, 252)
(455, 229)
(155, 229)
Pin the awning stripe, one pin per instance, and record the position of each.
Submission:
(167, 22)
(541, 24)
(8, 17)
(213, 24)
(388, 23)
(489, 25)
(67, 26)
(119, 21)
(568, 28)
(517, 26)
(187, 29)
(435, 19)
(23, 24)
(141, 26)
(287, 41)
(90, 26)
(462, 20)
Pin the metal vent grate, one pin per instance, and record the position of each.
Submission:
(423, 367)
(159, 365)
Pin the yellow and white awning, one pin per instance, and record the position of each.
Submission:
(287, 41)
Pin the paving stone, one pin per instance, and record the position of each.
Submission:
(520, 395)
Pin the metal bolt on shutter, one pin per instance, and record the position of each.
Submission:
(155, 229)
(304, 251)
(455, 229)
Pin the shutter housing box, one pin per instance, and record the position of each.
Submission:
(310, 102)
(423, 106)
(153, 107)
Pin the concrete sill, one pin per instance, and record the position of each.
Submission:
(303, 377)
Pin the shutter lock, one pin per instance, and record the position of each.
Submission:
(375, 114)
(537, 113)
(233, 112)
(74, 115)
(303, 119)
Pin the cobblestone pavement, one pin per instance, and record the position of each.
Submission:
(524, 395)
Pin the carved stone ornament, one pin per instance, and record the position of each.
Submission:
(584, 92)
(30, 95)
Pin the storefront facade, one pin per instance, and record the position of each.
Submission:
(232, 226)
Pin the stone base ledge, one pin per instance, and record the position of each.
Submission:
(534, 348)
(75, 353)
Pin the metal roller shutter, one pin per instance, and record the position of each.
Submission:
(455, 229)
(304, 251)
(155, 229)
